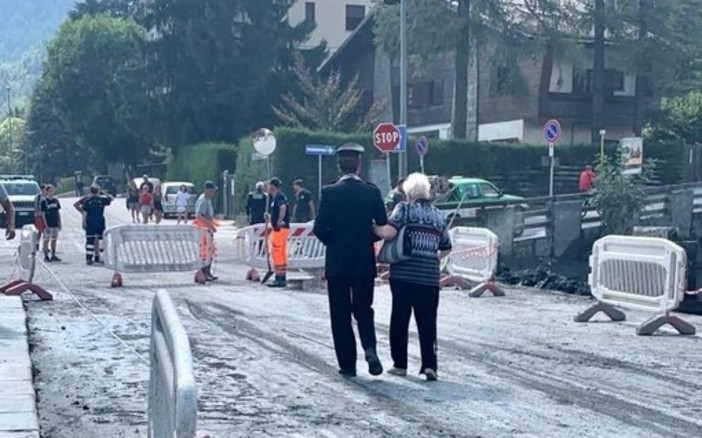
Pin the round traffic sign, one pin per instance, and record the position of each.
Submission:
(387, 137)
(264, 141)
(422, 146)
(552, 131)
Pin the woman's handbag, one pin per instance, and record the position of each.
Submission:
(397, 249)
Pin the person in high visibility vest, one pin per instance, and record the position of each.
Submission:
(204, 219)
(280, 222)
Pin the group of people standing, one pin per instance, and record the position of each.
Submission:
(47, 220)
(145, 201)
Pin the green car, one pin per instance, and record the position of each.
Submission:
(474, 194)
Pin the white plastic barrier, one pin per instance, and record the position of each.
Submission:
(640, 273)
(27, 260)
(149, 249)
(26, 266)
(473, 260)
(305, 251)
(172, 391)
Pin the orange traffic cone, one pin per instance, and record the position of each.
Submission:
(116, 280)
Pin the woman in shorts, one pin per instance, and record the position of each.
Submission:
(146, 204)
(133, 202)
(158, 204)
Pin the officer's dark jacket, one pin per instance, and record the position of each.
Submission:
(347, 211)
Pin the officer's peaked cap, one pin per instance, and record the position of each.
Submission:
(350, 149)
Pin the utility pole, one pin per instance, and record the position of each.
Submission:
(9, 124)
(402, 157)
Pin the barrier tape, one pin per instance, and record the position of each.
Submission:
(478, 251)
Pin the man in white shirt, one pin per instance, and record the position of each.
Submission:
(182, 201)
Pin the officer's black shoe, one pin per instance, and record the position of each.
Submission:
(375, 368)
(89, 262)
(347, 373)
(278, 282)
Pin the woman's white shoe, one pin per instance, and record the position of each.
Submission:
(397, 372)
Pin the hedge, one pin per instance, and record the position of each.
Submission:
(518, 169)
(201, 162)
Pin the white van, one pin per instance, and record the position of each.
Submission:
(170, 189)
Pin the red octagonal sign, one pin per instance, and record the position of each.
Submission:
(386, 137)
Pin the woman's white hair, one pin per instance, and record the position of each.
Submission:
(417, 186)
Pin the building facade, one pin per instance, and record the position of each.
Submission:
(511, 95)
(335, 19)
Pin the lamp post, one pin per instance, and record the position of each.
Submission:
(402, 159)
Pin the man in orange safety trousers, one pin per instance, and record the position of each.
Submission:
(280, 222)
(204, 219)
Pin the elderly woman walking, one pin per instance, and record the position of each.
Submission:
(414, 282)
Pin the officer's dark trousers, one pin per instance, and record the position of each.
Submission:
(424, 301)
(349, 296)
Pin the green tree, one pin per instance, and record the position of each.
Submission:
(11, 133)
(52, 150)
(216, 66)
(327, 104)
(94, 79)
(680, 119)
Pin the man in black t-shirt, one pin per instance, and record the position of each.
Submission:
(92, 207)
(303, 211)
(146, 182)
(51, 215)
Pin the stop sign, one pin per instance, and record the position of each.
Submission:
(387, 137)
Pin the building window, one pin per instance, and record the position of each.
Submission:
(425, 94)
(310, 12)
(582, 82)
(354, 16)
(504, 81)
(436, 93)
(614, 80)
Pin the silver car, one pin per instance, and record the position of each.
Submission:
(170, 190)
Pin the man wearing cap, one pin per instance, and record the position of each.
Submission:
(204, 219)
(348, 210)
(280, 221)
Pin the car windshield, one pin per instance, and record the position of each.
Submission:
(489, 191)
(172, 190)
(21, 188)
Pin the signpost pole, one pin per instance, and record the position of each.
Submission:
(421, 163)
(387, 160)
(402, 156)
(319, 179)
(551, 153)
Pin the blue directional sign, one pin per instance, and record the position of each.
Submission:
(318, 149)
(552, 131)
(403, 140)
(422, 146)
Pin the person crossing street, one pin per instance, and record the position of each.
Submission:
(92, 207)
(280, 222)
(347, 212)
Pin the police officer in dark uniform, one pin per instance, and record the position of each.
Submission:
(347, 211)
(92, 207)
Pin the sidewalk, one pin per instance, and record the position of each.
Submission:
(18, 412)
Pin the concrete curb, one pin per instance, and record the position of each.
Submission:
(18, 410)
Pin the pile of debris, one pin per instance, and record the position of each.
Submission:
(542, 278)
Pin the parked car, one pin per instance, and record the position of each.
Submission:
(106, 184)
(22, 192)
(475, 194)
(170, 189)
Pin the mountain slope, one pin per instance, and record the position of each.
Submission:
(27, 25)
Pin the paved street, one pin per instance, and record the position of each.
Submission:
(264, 362)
